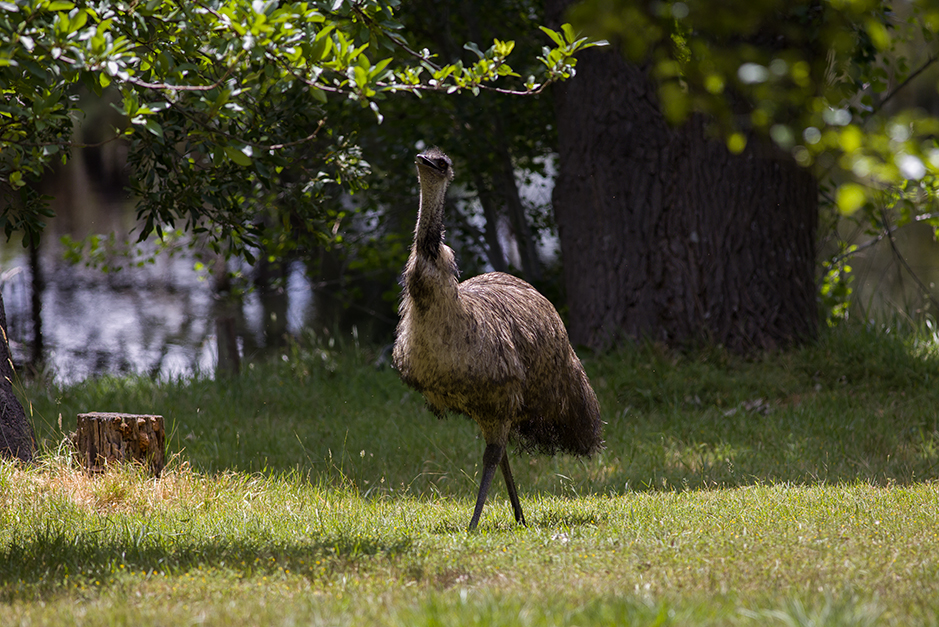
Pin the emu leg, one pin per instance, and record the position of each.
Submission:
(491, 457)
(513, 493)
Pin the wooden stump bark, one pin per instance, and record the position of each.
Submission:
(106, 438)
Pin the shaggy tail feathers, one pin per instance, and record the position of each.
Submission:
(578, 431)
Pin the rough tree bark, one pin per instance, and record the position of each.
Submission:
(16, 433)
(665, 234)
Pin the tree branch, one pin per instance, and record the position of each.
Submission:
(171, 87)
(309, 137)
(903, 262)
(875, 240)
(932, 59)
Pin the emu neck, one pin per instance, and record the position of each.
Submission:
(429, 233)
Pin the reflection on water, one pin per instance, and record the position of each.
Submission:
(155, 326)
(157, 320)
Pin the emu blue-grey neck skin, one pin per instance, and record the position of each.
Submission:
(435, 172)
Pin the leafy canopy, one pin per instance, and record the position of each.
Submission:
(224, 101)
(816, 77)
(837, 84)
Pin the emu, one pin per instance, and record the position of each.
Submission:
(491, 348)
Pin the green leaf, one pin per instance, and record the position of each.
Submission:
(569, 33)
(878, 34)
(80, 19)
(154, 127)
(474, 49)
(554, 35)
(361, 76)
(238, 156)
(850, 198)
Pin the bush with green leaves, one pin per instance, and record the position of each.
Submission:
(225, 103)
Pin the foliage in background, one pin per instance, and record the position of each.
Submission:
(835, 84)
(227, 103)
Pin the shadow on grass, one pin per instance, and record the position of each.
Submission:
(52, 559)
(856, 406)
(555, 513)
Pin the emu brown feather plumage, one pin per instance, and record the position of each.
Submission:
(491, 348)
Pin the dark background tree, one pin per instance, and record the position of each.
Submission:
(686, 197)
(17, 439)
(667, 234)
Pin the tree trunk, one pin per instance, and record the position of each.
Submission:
(491, 234)
(37, 288)
(16, 433)
(527, 248)
(667, 235)
(226, 337)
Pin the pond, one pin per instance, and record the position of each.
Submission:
(159, 320)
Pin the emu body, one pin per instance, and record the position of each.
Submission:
(491, 348)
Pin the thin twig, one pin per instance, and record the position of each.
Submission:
(932, 59)
(875, 240)
(860, 247)
(309, 137)
(903, 262)
(171, 87)
(447, 87)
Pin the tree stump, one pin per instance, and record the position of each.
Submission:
(105, 438)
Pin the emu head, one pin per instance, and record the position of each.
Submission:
(435, 164)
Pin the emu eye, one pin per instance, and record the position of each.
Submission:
(440, 163)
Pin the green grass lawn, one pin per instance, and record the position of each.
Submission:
(791, 489)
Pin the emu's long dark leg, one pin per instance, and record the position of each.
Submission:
(513, 493)
(491, 457)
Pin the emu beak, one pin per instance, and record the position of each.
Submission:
(435, 164)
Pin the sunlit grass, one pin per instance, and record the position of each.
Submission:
(281, 549)
(857, 405)
(791, 489)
